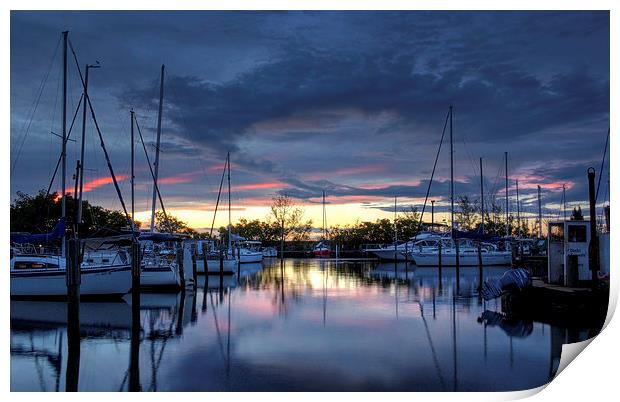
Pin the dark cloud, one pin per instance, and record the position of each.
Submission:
(296, 94)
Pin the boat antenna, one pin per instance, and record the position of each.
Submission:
(229, 204)
(506, 175)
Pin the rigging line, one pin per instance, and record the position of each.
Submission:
(26, 128)
(433, 351)
(217, 203)
(469, 155)
(148, 161)
(600, 173)
(428, 190)
(192, 140)
(49, 188)
(77, 63)
(107, 157)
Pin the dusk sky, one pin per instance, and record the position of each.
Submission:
(352, 103)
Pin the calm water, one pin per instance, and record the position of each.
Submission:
(309, 325)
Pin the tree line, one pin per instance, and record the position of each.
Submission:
(285, 223)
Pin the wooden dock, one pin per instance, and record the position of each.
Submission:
(560, 305)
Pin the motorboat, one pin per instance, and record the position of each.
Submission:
(428, 255)
(159, 268)
(321, 249)
(269, 252)
(247, 251)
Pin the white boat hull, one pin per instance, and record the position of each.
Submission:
(159, 277)
(387, 254)
(107, 281)
(465, 259)
(247, 256)
(213, 266)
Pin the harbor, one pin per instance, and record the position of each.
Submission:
(276, 326)
(227, 225)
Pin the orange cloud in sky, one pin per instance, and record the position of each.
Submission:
(186, 177)
(101, 181)
(531, 181)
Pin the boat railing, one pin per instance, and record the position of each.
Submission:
(32, 249)
(97, 258)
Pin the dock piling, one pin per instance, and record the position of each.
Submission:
(194, 250)
(593, 249)
(479, 265)
(73, 280)
(179, 256)
(134, 364)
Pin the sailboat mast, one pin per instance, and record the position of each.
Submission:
(229, 204)
(451, 177)
(395, 227)
(539, 214)
(64, 137)
(506, 161)
(159, 113)
(133, 228)
(564, 199)
(324, 227)
(518, 210)
(481, 200)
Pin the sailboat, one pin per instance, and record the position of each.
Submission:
(158, 266)
(246, 251)
(457, 247)
(209, 252)
(321, 249)
(106, 266)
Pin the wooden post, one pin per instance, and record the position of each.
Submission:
(221, 269)
(134, 364)
(179, 256)
(73, 316)
(135, 267)
(593, 246)
(406, 253)
(204, 258)
(439, 261)
(479, 265)
(194, 249)
(238, 261)
(458, 265)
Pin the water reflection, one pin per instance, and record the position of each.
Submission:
(293, 325)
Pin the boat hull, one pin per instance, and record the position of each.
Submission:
(213, 266)
(152, 277)
(465, 259)
(108, 281)
(322, 253)
(247, 258)
(387, 255)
